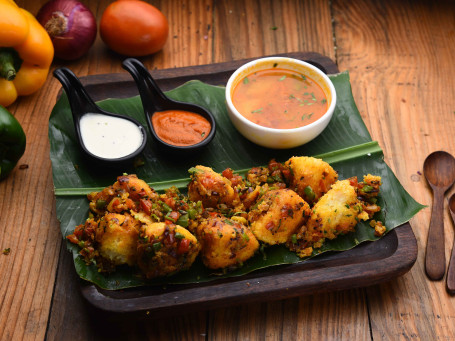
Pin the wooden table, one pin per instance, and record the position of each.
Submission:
(400, 58)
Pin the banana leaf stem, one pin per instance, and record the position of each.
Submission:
(350, 153)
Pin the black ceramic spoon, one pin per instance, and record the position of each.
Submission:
(81, 103)
(154, 100)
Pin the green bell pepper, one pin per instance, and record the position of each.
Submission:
(12, 142)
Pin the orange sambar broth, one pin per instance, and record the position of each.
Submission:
(180, 128)
(280, 99)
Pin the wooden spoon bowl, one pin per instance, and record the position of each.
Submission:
(439, 170)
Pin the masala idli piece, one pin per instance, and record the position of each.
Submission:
(310, 177)
(165, 248)
(116, 237)
(225, 243)
(125, 194)
(336, 213)
(277, 215)
(211, 188)
(135, 187)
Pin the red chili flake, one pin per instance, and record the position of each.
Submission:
(23, 166)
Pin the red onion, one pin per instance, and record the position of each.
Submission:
(71, 26)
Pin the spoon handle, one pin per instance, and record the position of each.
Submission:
(451, 269)
(451, 272)
(80, 101)
(153, 99)
(435, 261)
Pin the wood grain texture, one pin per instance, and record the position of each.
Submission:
(400, 58)
(399, 54)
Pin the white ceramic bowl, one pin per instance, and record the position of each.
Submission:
(280, 138)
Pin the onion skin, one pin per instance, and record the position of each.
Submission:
(71, 26)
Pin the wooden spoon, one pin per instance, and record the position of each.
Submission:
(439, 170)
(451, 269)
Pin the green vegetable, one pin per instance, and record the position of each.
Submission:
(366, 189)
(100, 204)
(178, 235)
(183, 220)
(309, 192)
(157, 246)
(12, 142)
(294, 239)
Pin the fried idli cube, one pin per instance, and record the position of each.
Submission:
(225, 243)
(369, 188)
(277, 216)
(211, 188)
(310, 177)
(164, 249)
(336, 213)
(137, 188)
(116, 236)
(125, 194)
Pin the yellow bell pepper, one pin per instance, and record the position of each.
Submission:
(26, 53)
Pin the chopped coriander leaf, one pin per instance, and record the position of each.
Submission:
(282, 78)
(256, 111)
(246, 80)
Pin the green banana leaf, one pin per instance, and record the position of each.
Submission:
(346, 144)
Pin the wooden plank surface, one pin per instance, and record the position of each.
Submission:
(400, 57)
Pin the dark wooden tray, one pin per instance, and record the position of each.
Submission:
(367, 264)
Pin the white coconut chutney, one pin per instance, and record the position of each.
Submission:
(109, 137)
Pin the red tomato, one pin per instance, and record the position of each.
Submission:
(133, 28)
(146, 206)
(73, 239)
(183, 247)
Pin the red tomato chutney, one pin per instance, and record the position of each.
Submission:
(279, 98)
(180, 128)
